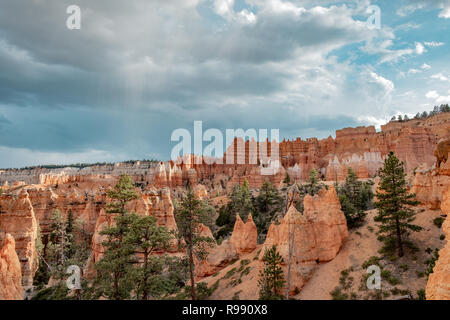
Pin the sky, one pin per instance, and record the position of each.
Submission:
(136, 70)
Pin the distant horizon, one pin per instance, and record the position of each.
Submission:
(90, 164)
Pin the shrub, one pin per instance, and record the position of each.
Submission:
(438, 222)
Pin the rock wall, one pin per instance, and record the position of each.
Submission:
(438, 286)
(18, 219)
(10, 271)
(243, 240)
(430, 185)
(315, 236)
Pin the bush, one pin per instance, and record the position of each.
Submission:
(337, 294)
(372, 261)
(438, 222)
(421, 294)
(355, 198)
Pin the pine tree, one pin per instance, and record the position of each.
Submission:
(287, 179)
(189, 216)
(147, 237)
(355, 197)
(240, 201)
(268, 205)
(313, 186)
(59, 245)
(394, 204)
(70, 228)
(271, 278)
(113, 280)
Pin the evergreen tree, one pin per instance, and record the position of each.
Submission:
(271, 277)
(355, 197)
(58, 248)
(287, 179)
(394, 204)
(70, 228)
(313, 184)
(113, 269)
(240, 201)
(268, 205)
(189, 216)
(147, 237)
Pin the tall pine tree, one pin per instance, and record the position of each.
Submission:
(271, 277)
(147, 237)
(189, 216)
(394, 204)
(113, 269)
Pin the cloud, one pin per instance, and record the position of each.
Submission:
(440, 76)
(442, 5)
(138, 70)
(439, 99)
(413, 71)
(388, 85)
(420, 49)
(425, 66)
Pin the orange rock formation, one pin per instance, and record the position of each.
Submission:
(308, 238)
(10, 272)
(18, 219)
(438, 286)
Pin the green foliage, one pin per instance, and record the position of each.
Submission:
(287, 179)
(431, 262)
(189, 216)
(114, 269)
(271, 278)
(240, 202)
(421, 294)
(337, 294)
(269, 204)
(146, 237)
(355, 198)
(371, 261)
(424, 115)
(438, 222)
(313, 184)
(394, 205)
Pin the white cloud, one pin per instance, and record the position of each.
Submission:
(442, 5)
(439, 99)
(224, 7)
(440, 76)
(445, 13)
(425, 66)
(414, 71)
(432, 94)
(420, 49)
(387, 84)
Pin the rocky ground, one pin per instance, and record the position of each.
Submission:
(402, 276)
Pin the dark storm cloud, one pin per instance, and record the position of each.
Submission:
(139, 69)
